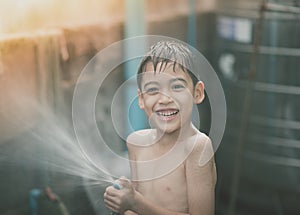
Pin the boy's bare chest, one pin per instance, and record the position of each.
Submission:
(171, 182)
(166, 184)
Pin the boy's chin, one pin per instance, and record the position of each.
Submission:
(167, 129)
(164, 127)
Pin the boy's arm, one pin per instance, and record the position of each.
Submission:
(131, 157)
(201, 178)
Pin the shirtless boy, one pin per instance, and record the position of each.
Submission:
(172, 164)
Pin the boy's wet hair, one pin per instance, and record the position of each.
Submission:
(165, 52)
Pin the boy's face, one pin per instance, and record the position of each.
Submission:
(167, 97)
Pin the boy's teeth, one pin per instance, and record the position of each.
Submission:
(167, 113)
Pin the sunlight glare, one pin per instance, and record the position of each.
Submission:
(28, 15)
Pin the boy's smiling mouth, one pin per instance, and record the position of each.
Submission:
(167, 114)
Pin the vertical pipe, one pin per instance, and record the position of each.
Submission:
(192, 24)
(134, 26)
(245, 113)
(272, 69)
(134, 18)
(192, 40)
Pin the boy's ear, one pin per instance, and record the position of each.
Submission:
(141, 100)
(199, 92)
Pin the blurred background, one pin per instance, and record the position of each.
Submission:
(254, 46)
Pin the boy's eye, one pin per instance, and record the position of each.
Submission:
(178, 87)
(152, 90)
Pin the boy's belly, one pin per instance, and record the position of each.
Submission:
(168, 191)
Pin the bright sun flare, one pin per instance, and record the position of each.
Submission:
(27, 15)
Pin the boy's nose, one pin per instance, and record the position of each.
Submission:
(164, 98)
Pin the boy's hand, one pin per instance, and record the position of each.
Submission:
(121, 200)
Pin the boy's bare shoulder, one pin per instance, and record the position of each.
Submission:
(200, 149)
(198, 141)
(140, 138)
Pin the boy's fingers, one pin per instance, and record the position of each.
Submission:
(111, 191)
(111, 206)
(111, 202)
(123, 181)
(112, 199)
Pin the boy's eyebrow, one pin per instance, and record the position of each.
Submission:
(178, 79)
(171, 81)
(150, 82)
